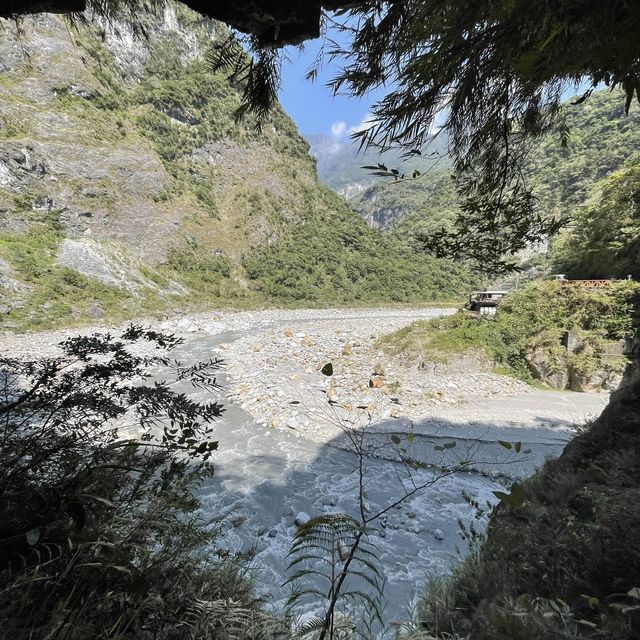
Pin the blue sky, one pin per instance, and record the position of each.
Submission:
(311, 104)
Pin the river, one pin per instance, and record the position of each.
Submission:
(266, 476)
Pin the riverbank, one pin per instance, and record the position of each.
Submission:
(319, 376)
(274, 363)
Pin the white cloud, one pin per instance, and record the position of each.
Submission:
(338, 129)
(341, 129)
(363, 125)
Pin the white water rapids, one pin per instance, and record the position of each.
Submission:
(265, 476)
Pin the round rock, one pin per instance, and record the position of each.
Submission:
(302, 518)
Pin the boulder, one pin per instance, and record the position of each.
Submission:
(302, 518)
(95, 311)
(599, 380)
(550, 370)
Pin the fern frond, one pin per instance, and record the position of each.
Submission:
(309, 626)
(307, 572)
(299, 594)
(306, 557)
(334, 548)
(367, 578)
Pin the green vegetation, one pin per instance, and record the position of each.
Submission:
(604, 240)
(333, 259)
(525, 336)
(100, 533)
(601, 139)
(322, 253)
(58, 295)
(440, 339)
(503, 86)
(191, 105)
(251, 224)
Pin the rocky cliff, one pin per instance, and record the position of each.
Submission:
(126, 186)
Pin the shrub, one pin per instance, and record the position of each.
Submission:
(99, 530)
(339, 259)
(529, 321)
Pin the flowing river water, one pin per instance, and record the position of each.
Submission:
(265, 477)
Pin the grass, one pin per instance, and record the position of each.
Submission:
(440, 339)
(529, 325)
(60, 296)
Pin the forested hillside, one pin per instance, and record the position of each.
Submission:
(604, 239)
(127, 187)
(601, 139)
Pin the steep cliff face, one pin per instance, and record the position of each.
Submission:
(126, 185)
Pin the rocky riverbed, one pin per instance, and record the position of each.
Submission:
(282, 437)
(319, 377)
(274, 362)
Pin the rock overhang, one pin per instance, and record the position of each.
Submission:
(271, 22)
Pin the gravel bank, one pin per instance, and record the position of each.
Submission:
(275, 374)
(274, 361)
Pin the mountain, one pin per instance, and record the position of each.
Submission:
(601, 139)
(340, 163)
(127, 187)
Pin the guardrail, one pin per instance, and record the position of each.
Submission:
(587, 283)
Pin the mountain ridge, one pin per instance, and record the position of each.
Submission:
(601, 139)
(127, 187)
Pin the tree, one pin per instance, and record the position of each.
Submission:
(604, 240)
(100, 534)
(498, 72)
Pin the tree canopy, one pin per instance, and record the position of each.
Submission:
(605, 238)
(497, 71)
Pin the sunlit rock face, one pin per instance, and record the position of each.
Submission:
(119, 150)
